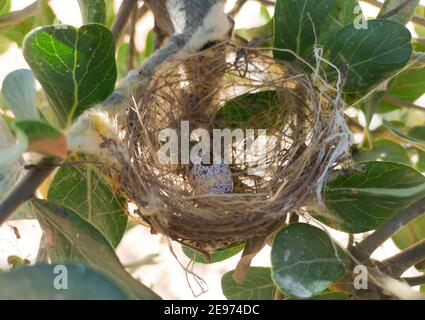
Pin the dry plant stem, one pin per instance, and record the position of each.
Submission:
(18, 16)
(366, 247)
(395, 10)
(237, 7)
(415, 281)
(26, 188)
(415, 19)
(132, 51)
(278, 295)
(402, 103)
(123, 16)
(419, 57)
(405, 259)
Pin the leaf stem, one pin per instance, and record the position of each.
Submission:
(18, 16)
(366, 247)
(26, 188)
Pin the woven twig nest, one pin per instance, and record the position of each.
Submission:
(302, 118)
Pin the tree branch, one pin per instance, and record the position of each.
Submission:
(366, 247)
(26, 188)
(402, 103)
(402, 261)
(123, 16)
(236, 8)
(415, 281)
(132, 51)
(19, 16)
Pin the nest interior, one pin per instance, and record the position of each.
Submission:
(229, 87)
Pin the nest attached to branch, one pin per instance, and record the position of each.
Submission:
(305, 120)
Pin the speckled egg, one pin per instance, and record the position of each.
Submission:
(215, 178)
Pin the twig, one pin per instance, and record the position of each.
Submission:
(26, 188)
(402, 103)
(366, 247)
(405, 259)
(236, 8)
(414, 281)
(132, 45)
(415, 19)
(278, 295)
(16, 17)
(395, 10)
(143, 10)
(419, 57)
(123, 16)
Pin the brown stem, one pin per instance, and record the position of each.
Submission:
(237, 7)
(16, 17)
(26, 188)
(123, 16)
(414, 281)
(405, 259)
(132, 45)
(402, 103)
(366, 247)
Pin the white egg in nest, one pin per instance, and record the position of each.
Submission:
(214, 178)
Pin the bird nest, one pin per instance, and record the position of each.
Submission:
(210, 206)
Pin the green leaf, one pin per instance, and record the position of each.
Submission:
(343, 13)
(72, 238)
(37, 283)
(372, 54)
(83, 191)
(305, 261)
(331, 296)
(402, 16)
(76, 67)
(257, 32)
(19, 93)
(93, 11)
(362, 201)
(419, 134)
(295, 24)
(417, 143)
(383, 150)
(251, 110)
(216, 256)
(258, 285)
(411, 234)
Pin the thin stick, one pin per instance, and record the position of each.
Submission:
(26, 188)
(403, 103)
(366, 247)
(123, 16)
(395, 10)
(132, 45)
(405, 259)
(16, 17)
(237, 7)
(414, 281)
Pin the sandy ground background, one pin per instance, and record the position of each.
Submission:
(166, 276)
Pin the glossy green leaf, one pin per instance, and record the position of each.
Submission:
(416, 142)
(411, 234)
(72, 238)
(19, 93)
(372, 54)
(82, 190)
(296, 22)
(383, 150)
(93, 11)
(419, 133)
(216, 256)
(76, 67)
(343, 13)
(77, 283)
(305, 261)
(361, 201)
(403, 15)
(258, 285)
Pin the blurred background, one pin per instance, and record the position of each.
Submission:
(147, 256)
